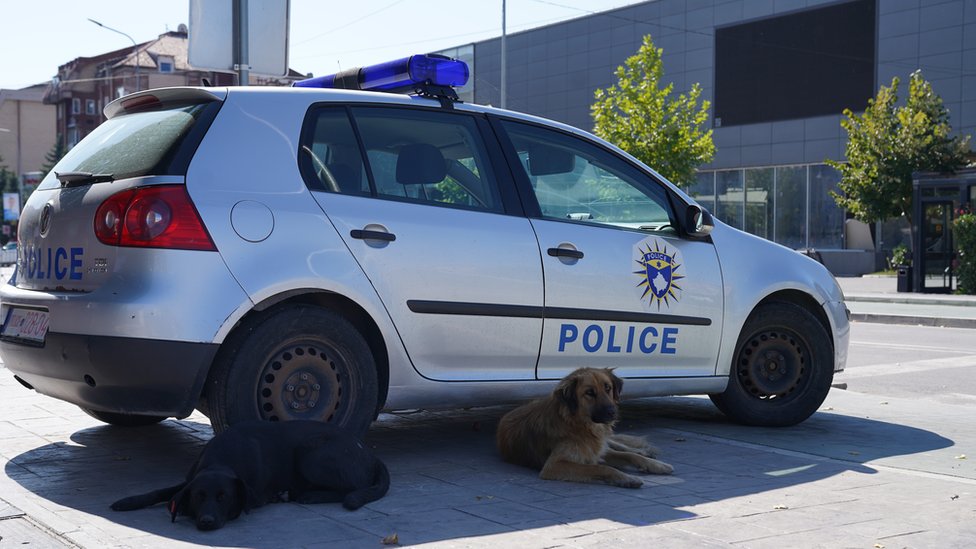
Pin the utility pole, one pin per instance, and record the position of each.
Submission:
(135, 48)
(241, 42)
(504, 60)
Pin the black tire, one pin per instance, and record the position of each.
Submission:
(782, 368)
(294, 362)
(123, 420)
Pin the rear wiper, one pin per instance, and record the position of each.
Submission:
(72, 179)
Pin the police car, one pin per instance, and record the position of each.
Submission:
(331, 250)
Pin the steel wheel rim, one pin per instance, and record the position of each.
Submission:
(773, 364)
(301, 381)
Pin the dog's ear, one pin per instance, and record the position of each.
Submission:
(248, 499)
(177, 504)
(618, 384)
(240, 502)
(566, 392)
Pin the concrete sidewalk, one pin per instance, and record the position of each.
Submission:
(861, 473)
(876, 299)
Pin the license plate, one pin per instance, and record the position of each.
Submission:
(26, 324)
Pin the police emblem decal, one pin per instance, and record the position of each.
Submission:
(658, 272)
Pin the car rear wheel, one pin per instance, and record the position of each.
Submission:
(295, 362)
(782, 370)
(123, 420)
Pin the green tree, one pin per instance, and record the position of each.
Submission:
(964, 232)
(649, 122)
(888, 143)
(8, 179)
(53, 156)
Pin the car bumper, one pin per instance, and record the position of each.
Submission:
(114, 374)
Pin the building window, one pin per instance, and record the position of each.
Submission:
(119, 91)
(90, 106)
(165, 64)
(72, 137)
(75, 105)
(799, 65)
(790, 205)
(729, 197)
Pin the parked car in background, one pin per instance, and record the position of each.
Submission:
(322, 253)
(8, 253)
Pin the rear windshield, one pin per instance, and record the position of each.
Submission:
(156, 142)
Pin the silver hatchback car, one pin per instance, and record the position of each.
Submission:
(324, 253)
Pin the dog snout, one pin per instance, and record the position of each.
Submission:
(604, 414)
(207, 522)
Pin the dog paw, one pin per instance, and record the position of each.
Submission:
(656, 467)
(627, 481)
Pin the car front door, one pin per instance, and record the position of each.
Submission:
(415, 197)
(623, 289)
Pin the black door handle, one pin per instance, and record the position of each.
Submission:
(565, 252)
(363, 234)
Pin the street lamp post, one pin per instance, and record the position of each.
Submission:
(135, 47)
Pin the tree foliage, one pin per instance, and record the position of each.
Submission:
(8, 179)
(52, 157)
(964, 233)
(647, 121)
(887, 143)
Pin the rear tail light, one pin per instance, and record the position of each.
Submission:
(161, 216)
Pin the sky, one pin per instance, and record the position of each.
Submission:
(325, 35)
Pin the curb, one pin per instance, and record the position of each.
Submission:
(915, 320)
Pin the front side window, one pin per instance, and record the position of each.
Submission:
(580, 181)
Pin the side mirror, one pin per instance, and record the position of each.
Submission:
(698, 222)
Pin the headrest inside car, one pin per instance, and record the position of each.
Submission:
(546, 160)
(420, 164)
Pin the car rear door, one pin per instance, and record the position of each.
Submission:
(414, 194)
(622, 288)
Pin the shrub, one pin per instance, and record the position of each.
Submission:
(900, 256)
(964, 233)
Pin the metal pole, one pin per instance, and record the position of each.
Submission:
(243, 69)
(135, 48)
(504, 58)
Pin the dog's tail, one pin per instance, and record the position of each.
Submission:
(132, 503)
(381, 484)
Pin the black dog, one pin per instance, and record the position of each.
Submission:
(255, 462)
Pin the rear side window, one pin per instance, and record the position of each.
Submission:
(149, 142)
(331, 159)
(412, 155)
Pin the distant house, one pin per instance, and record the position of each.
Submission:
(26, 128)
(85, 85)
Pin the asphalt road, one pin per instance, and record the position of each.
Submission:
(912, 362)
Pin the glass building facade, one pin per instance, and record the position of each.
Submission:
(790, 205)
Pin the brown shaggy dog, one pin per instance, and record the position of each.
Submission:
(569, 434)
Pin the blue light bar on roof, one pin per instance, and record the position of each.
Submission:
(404, 74)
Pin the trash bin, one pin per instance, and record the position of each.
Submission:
(904, 278)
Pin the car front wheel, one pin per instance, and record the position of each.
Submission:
(782, 369)
(295, 362)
